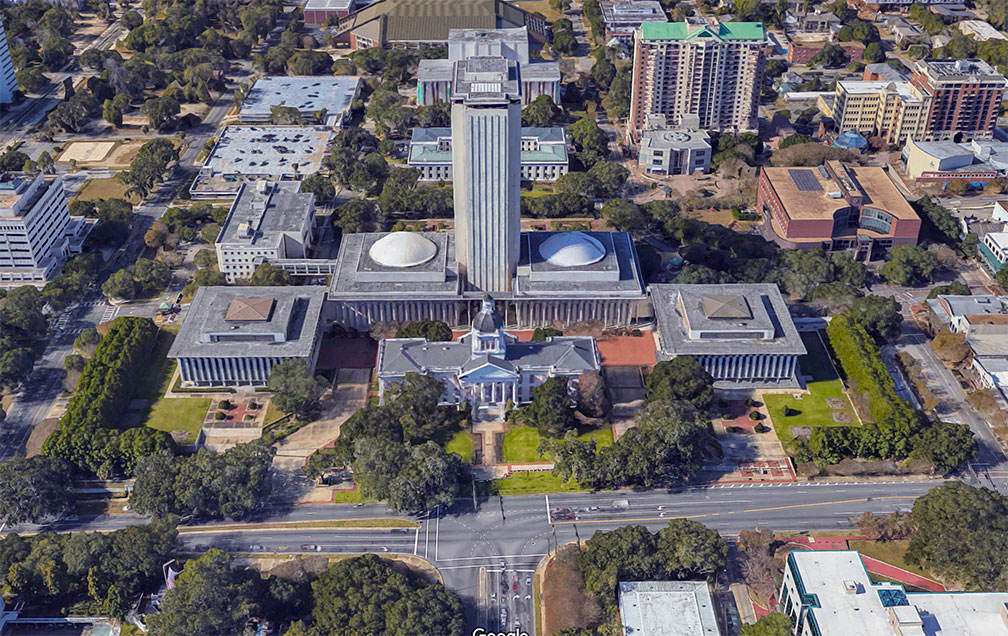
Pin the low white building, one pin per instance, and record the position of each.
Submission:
(487, 367)
(543, 154)
(741, 334)
(268, 221)
(829, 593)
(234, 336)
(980, 30)
(37, 233)
(669, 150)
(667, 608)
(319, 99)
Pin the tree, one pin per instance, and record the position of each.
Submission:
(320, 186)
(947, 445)
(624, 215)
(112, 112)
(297, 390)
(593, 398)
(909, 265)
(955, 288)
(682, 378)
(950, 347)
(22, 311)
(874, 53)
(550, 411)
(87, 341)
(354, 216)
(210, 596)
(608, 178)
(592, 141)
(34, 490)
(961, 532)
(880, 316)
(205, 258)
(149, 166)
(792, 140)
(428, 478)
(120, 285)
(432, 330)
(31, 79)
(160, 111)
(366, 595)
(542, 113)
(266, 275)
(210, 232)
(131, 20)
(777, 624)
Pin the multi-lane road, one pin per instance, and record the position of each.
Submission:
(485, 552)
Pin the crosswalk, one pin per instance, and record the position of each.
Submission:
(110, 312)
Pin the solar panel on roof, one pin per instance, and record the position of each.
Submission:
(804, 180)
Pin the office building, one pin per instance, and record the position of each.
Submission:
(487, 366)
(8, 81)
(537, 78)
(246, 154)
(413, 24)
(829, 593)
(836, 207)
(667, 150)
(713, 71)
(893, 110)
(995, 250)
(817, 22)
(742, 334)
(268, 222)
(37, 233)
(543, 154)
(667, 608)
(486, 171)
(882, 72)
(965, 97)
(623, 16)
(941, 162)
(233, 336)
(318, 99)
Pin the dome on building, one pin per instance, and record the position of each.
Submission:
(572, 249)
(487, 320)
(402, 249)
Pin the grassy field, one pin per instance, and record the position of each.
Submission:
(540, 6)
(179, 414)
(891, 552)
(108, 188)
(462, 444)
(273, 413)
(533, 484)
(813, 409)
(521, 444)
(348, 496)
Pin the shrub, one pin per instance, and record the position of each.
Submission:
(755, 416)
(761, 428)
(224, 405)
(219, 416)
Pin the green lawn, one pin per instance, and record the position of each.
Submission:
(462, 444)
(348, 496)
(521, 444)
(891, 552)
(533, 484)
(179, 414)
(273, 413)
(813, 408)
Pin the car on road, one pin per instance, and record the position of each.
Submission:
(562, 514)
(503, 617)
(594, 509)
(528, 580)
(514, 586)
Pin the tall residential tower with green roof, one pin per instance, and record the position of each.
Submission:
(713, 71)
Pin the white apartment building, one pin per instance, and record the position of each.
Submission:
(894, 111)
(268, 221)
(713, 71)
(8, 82)
(37, 233)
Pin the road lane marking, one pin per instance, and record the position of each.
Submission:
(829, 503)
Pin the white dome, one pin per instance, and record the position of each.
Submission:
(572, 249)
(402, 249)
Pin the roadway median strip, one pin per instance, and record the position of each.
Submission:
(342, 524)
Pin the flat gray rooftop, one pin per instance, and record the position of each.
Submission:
(734, 310)
(269, 150)
(307, 94)
(360, 277)
(674, 138)
(261, 218)
(616, 274)
(485, 79)
(667, 608)
(243, 322)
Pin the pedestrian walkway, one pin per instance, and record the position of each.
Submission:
(899, 574)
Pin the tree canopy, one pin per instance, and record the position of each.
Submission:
(297, 390)
(682, 378)
(34, 490)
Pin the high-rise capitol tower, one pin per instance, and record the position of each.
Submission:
(486, 163)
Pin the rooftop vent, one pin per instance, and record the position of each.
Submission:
(850, 587)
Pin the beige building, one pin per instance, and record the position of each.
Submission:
(891, 110)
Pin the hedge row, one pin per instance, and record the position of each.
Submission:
(89, 434)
